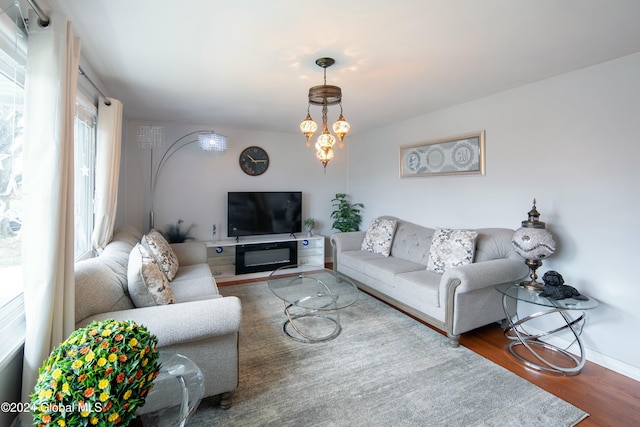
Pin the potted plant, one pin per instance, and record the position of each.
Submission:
(309, 223)
(99, 376)
(175, 234)
(346, 216)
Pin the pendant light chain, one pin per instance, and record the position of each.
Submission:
(325, 95)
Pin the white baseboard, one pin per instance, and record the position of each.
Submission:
(613, 364)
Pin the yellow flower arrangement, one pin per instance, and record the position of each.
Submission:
(99, 376)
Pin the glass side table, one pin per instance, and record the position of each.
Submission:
(176, 392)
(572, 314)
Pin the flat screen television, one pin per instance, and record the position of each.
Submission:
(251, 213)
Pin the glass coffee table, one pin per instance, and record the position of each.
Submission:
(572, 315)
(313, 297)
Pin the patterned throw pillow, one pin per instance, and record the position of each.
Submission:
(379, 236)
(451, 248)
(162, 252)
(147, 283)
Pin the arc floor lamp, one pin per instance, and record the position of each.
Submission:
(208, 140)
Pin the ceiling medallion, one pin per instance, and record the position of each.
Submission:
(325, 95)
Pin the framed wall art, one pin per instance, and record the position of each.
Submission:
(457, 155)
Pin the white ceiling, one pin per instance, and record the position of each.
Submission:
(249, 63)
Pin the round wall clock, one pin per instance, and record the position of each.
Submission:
(254, 161)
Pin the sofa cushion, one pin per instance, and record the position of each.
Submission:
(386, 268)
(116, 254)
(451, 248)
(147, 283)
(196, 289)
(412, 242)
(379, 236)
(98, 290)
(194, 283)
(190, 272)
(494, 243)
(356, 259)
(162, 252)
(420, 286)
(192, 252)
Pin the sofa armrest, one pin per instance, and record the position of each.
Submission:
(347, 241)
(474, 276)
(190, 253)
(185, 322)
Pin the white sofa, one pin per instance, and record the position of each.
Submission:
(201, 324)
(456, 301)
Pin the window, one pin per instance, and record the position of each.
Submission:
(12, 76)
(84, 175)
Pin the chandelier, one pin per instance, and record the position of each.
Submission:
(325, 95)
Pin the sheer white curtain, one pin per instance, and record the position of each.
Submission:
(107, 171)
(52, 74)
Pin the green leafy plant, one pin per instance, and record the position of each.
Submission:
(98, 377)
(346, 216)
(309, 223)
(175, 234)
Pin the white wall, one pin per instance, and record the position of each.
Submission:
(571, 142)
(193, 184)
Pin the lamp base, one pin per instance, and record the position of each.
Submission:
(533, 284)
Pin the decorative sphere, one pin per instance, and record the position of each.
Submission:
(308, 126)
(533, 243)
(341, 126)
(325, 153)
(325, 140)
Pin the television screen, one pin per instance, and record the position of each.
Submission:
(264, 212)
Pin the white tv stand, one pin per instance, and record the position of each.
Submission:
(222, 255)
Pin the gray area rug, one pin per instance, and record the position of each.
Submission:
(383, 369)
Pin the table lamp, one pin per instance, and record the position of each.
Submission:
(533, 242)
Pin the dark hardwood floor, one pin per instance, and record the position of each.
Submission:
(611, 399)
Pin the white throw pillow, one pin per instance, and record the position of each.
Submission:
(146, 282)
(162, 252)
(379, 236)
(451, 248)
